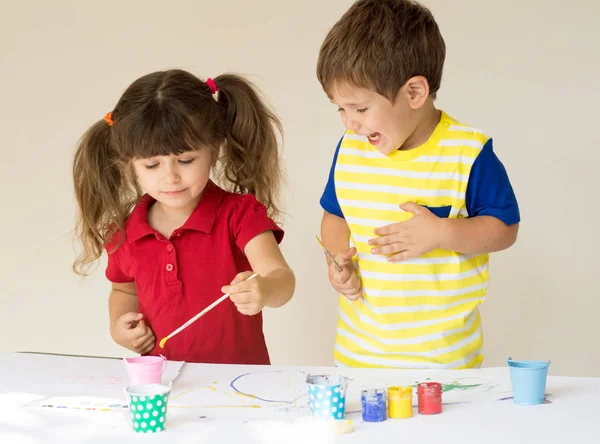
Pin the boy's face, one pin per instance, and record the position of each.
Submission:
(370, 114)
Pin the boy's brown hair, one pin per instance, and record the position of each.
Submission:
(380, 44)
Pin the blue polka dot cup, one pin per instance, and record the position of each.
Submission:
(148, 407)
(327, 396)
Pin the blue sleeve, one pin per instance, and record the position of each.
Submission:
(329, 201)
(489, 192)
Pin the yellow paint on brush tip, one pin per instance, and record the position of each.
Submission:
(162, 342)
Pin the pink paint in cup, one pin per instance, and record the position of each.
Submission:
(145, 369)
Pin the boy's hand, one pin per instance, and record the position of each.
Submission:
(345, 281)
(130, 331)
(249, 296)
(412, 238)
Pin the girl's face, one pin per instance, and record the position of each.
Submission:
(175, 181)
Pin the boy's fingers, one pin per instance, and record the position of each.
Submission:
(354, 296)
(354, 288)
(345, 257)
(339, 277)
(413, 207)
(350, 253)
(334, 269)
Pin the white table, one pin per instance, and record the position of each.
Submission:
(63, 399)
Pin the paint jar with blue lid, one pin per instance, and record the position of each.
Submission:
(374, 405)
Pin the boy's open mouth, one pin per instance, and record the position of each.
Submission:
(373, 137)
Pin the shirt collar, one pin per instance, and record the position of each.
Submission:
(202, 218)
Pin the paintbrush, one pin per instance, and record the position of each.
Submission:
(164, 340)
(328, 254)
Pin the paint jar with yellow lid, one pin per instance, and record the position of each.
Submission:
(399, 402)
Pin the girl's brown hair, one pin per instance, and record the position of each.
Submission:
(171, 112)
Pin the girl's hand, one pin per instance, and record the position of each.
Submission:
(130, 331)
(249, 297)
(345, 281)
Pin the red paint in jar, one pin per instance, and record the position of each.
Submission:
(430, 398)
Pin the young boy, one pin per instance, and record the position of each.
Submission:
(415, 200)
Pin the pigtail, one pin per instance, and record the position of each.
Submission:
(103, 195)
(250, 158)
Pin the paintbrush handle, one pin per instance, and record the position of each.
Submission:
(206, 310)
(333, 260)
(328, 254)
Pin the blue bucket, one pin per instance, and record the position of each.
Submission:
(528, 380)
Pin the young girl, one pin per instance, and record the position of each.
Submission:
(172, 250)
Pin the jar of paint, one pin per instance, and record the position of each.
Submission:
(430, 398)
(374, 405)
(399, 402)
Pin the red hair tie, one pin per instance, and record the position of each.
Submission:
(108, 119)
(212, 85)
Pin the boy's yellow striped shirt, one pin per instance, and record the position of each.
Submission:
(423, 312)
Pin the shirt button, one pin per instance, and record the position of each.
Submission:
(169, 267)
(169, 247)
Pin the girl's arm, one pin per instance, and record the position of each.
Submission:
(123, 299)
(277, 279)
(127, 326)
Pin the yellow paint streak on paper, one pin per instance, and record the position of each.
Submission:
(210, 387)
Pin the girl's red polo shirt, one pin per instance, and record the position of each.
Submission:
(178, 277)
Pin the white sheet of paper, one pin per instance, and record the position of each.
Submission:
(234, 403)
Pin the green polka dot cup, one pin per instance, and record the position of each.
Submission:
(148, 406)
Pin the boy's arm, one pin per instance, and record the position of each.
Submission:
(334, 233)
(336, 238)
(425, 232)
(493, 225)
(476, 235)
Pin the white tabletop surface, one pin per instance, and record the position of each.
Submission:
(64, 399)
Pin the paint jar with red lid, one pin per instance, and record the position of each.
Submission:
(430, 398)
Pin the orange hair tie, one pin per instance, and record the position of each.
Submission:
(108, 119)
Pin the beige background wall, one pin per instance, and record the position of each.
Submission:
(525, 71)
